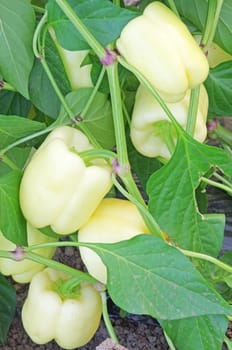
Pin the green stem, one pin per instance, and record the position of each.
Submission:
(213, 13)
(148, 85)
(228, 342)
(59, 266)
(222, 179)
(217, 184)
(27, 138)
(9, 162)
(192, 111)
(88, 156)
(148, 218)
(82, 29)
(207, 258)
(6, 254)
(106, 319)
(95, 90)
(170, 343)
(7, 86)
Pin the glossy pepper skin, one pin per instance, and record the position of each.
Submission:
(57, 188)
(23, 271)
(148, 122)
(70, 321)
(114, 220)
(160, 46)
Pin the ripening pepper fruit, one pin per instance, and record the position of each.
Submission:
(57, 188)
(23, 271)
(151, 127)
(160, 46)
(114, 220)
(70, 320)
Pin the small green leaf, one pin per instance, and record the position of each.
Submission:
(175, 207)
(40, 88)
(12, 222)
(7, 307)
(12, 103)
(148, 276)
(218, 85)
(17, 22)
(103, 19)
(13, 128)
(204, 332)
(98, 118)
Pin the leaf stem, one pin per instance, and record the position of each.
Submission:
(192, 111)
(217, 184)
(82, 29)
(213, 13)
(148, 218)
(9, 162)
(106, 319)
(222, 179)
(59, 266)
(209, 258)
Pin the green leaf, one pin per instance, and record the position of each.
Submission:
(103, 19)
(12, 222)
(17, 22)
(172, 197)
(204, 332)
(148, 276)
(41, 89)
(98, 118)
(13, 128)
(13, 103)
(7, 307)
(218, 85)
(196, 12)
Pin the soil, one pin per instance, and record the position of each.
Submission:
(133, 332)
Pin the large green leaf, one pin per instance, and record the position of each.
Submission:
(12, 222)
(204, 332)
(13, 127)
(98, 118)
(219, 90)
(172, 198)
(7, 307)
(196, 12)
(103, 19)
(17, 22)
(148, 276)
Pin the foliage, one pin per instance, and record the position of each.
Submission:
(176, 274)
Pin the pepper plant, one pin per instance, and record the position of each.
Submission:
(113, 99)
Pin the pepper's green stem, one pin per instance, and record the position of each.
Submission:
(6, 254)
(192, 111)
(213, 13)
(209, 258)
(217, 184)
(82, 29)
(106, 319)
(90, 155)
